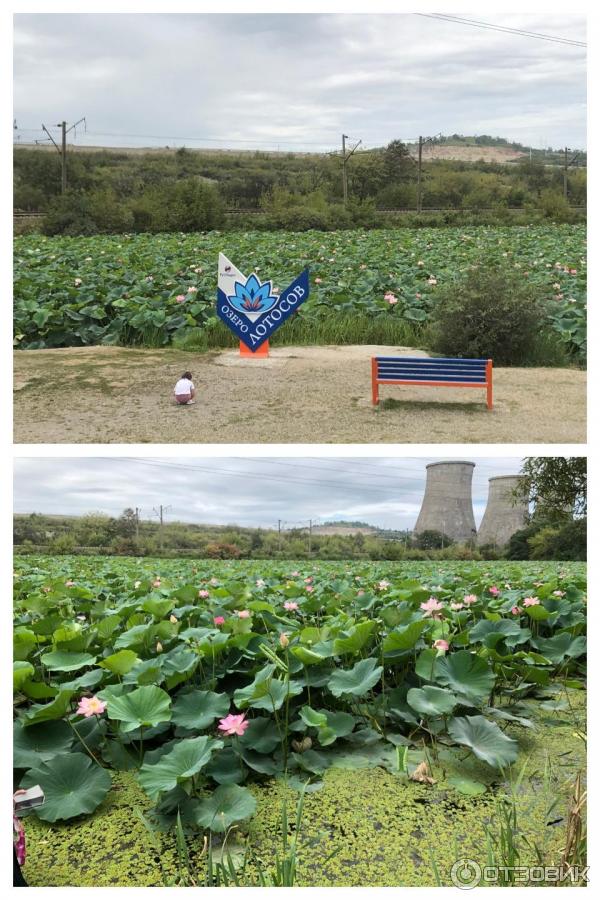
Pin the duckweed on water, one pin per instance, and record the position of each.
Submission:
(363, 827)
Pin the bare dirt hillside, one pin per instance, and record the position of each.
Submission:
(298, 394)
(469, 153)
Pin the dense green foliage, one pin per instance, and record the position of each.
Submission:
(141, 289)
(123, 536)
(334, 665)
(114, 190)
(488, 313)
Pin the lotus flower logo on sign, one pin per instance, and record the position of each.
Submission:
(254, 309)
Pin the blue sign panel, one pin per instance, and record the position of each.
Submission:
(252, 309)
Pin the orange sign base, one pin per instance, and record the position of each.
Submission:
(262, 351)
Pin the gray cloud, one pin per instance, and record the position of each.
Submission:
(386, 492)
(300, 79)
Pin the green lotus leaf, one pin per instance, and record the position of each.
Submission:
(143, 707)
(467, 786)
(39, 743)
(487, 741)
(198, 710)
(431, 701)
(261, 735)
(465, 673)
(226, 767)
(185, 759)
(56, 709)
(72, 783)
(228, 804)
(491, 633)
(357, 680)
(313, 719)
(353, 639)
(63, 661)
(403, 638)
(22, 672)
(120, 663)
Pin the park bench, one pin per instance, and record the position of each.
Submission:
(426, 371)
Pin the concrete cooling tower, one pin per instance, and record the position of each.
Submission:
(504, 514)
(447, 504)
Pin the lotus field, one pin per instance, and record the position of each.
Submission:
(207, 681)
(130, 289)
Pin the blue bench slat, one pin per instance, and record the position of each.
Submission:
(451, 379)
(416, 367)
(457, 373)
(431, 359)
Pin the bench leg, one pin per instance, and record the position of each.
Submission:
(375, 392)
(490, 404)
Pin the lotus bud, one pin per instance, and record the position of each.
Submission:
(159, 647)
(172, 619)
(283, 640)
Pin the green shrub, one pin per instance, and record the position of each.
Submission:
(491, 312)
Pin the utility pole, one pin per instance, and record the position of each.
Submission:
(62, 150)
(422, 141)
(568, 162)
(345, 158)
(419, 169)
(160, 512)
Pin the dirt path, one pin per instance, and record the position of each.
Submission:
(299, 394)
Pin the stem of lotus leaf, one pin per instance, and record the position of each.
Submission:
(81, 740)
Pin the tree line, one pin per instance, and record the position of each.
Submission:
(112, 191)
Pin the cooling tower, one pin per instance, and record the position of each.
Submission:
(504, 514)
(447, 505)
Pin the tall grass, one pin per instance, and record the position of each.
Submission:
(357, 328)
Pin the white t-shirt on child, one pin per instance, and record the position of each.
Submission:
(184, 386)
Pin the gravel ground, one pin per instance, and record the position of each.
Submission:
(297, 395)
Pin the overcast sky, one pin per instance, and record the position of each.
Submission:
(298, 81)
(385, 492)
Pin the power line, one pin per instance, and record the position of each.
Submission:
(458, 20)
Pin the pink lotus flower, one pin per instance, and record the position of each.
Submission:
(244, 613)
(308, 580)
(494, 591)
(431, 606)
(531, 601)
(558, 593)
(390, 297)
(203, 594)
(309, 588)
(192, 290)
(156, 583)
(233, 724)
(295, 575)
(69, 583)
(219, 620)
(516, 610)
(383, 585)
(441, 645)
(432, 280)
(361, 594)
(420, 263)
(260, 582)
(214, 581)
(456, 606)
(90, 706)
(290, 605)
(318, 280)
(469, 600)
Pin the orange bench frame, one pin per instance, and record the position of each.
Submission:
(487, 384)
